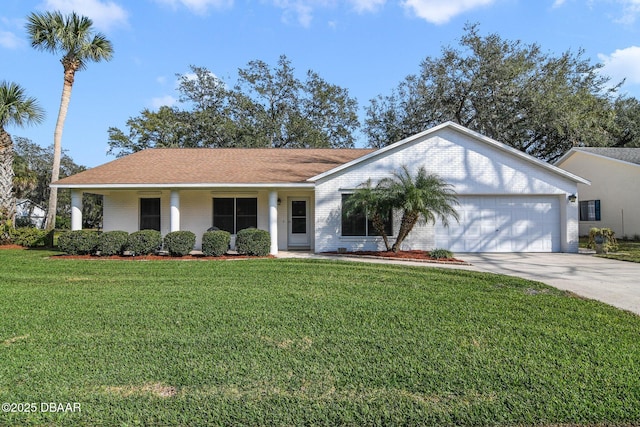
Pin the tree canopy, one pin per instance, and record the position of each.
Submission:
(32, 169)
(266, 107)
(536, 101)
(513, 92)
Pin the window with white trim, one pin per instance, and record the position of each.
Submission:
(150, 213)
(358, 224)
(233, 214)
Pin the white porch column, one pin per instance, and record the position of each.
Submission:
(175, 211)
(273, 221)
(76, 210)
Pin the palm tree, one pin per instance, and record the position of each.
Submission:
(73, 35)
(424, 196)
(374, 203)
(18, 110)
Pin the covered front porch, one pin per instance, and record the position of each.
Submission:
(286, 212)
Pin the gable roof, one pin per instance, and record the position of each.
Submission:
(28, 202)
(627, 155)
(189, 167)
(466, 131)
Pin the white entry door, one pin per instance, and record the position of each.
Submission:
(299, 224)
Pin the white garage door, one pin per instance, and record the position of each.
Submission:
(503, 224)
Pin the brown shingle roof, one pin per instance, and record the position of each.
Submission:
(215, 166)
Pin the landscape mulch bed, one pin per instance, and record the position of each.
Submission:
(160, 257)
(412, 255)
(11, 247)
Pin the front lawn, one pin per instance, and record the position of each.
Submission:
(627, 251)
(294, 342)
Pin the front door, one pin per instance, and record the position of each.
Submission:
(299, 227)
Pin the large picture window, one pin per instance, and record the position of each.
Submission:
(357, 223)
(590, 210)
(233, 214)
(150, 214)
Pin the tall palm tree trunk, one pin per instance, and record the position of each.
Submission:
(7, 201)
(69, 75)
(378, 224)
(409, 220)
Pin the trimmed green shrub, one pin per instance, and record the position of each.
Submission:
(252, 241)
(179, 243)
(63, 222)
(23, 222)
(29, 237)
(215, 243)
(112, 242)
(78, 242)
(6, 229)
(440, 254)
(144, 242)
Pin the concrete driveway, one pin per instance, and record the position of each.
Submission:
(614, 282)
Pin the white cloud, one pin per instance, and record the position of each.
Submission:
(104, 15)
(160, 101)
(441, 11)
(9, 40)
(189, 76)
(200, 7)
(630, 11)
(9, 30)
(367, 5)
(303, 13)
(300, 11)
(621, 64)
(558, 3)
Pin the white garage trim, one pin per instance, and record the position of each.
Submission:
(503, 224)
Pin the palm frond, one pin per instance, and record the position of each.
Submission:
(421, 197)
(73, 35)
(16, 108)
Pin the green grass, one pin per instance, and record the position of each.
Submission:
(294, 342)
(627, 251)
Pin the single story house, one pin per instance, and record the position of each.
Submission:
(509, 201)
(607, 202)
(30, 213)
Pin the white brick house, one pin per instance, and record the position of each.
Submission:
(509, 201)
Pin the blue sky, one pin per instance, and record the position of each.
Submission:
(366, 46)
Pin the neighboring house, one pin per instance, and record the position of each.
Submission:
(28, 212)
(610, 201)
(509, 201)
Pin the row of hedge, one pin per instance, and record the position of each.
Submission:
(250, 241)
(28, 237)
